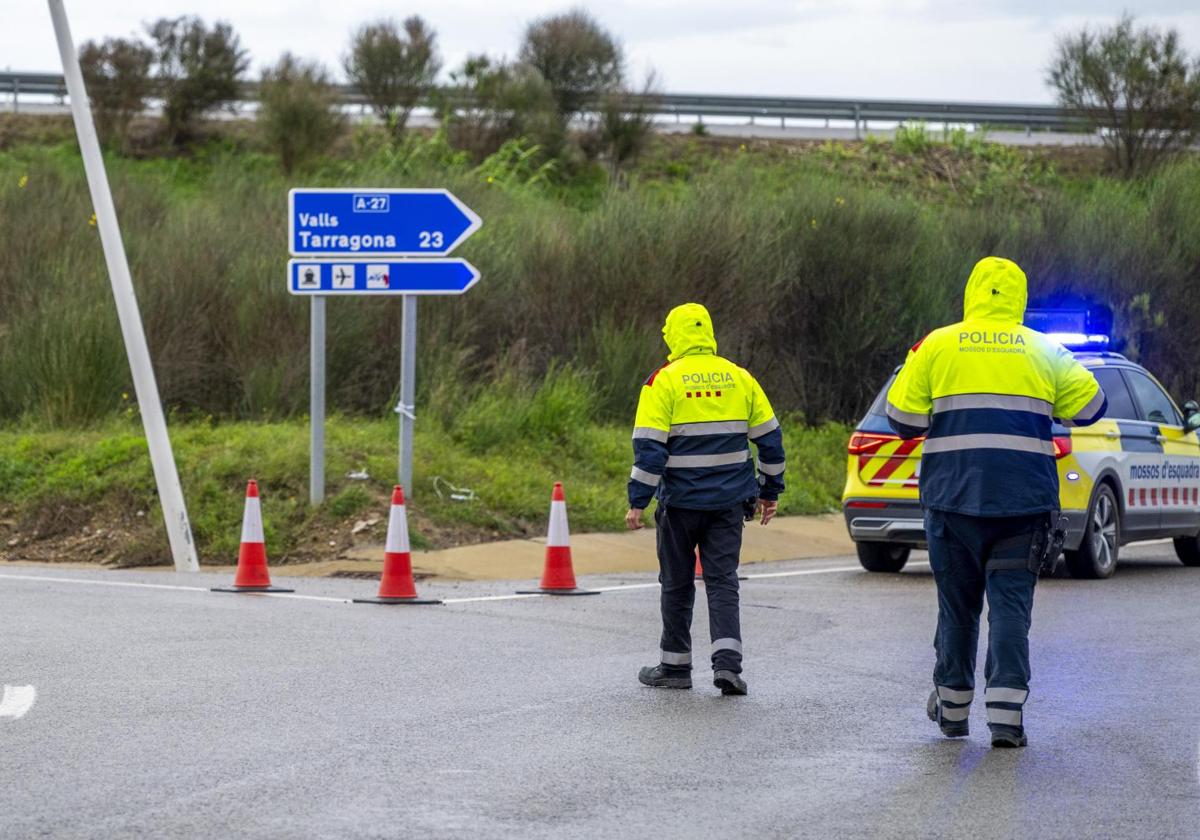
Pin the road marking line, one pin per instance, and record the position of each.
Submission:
(139, 585)
(631, 586)
(476, 599)
(18, 699)
(129, 583)
(302, 597)
(469, 600)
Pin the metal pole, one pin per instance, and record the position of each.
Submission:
(408, 390)
(857, 133)
(162, 459)
(316, 403)
(16, 96)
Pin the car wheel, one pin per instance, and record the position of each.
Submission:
(1097, 554)
(882, 557)
(1187, 549)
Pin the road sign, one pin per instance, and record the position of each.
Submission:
(379, 277)
(374, 222)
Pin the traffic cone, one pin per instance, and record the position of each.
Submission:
(252, 574)
(558, 578)
(396, 583)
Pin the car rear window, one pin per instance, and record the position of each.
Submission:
(875, 419)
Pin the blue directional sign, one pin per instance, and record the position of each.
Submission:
(380, 277)
(375, 222)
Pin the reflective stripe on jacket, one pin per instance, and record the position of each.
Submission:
(695, 417)
(985, 393)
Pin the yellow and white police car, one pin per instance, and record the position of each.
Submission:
(1132, 476)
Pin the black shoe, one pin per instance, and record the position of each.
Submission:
(951, 729)
(656, 677)
(729, 682)
(1007, 740)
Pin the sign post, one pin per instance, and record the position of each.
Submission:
(316, 402)
(407, 407)
(374, 242)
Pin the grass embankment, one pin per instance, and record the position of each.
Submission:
(821, 264)
(88, 496)
(820, 268)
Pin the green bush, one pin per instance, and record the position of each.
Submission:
(502, 103)
(117, 72)
(817, 282)
(199, 68)
(576, 56)
(393, 66)
(298, 112)
(911, 138)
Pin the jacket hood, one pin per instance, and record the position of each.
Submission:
(996, 291)
(689, 330)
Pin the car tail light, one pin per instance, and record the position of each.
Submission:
(874, 505)
(1062, 446)
(866, 443)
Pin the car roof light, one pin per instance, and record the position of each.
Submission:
(1075, 329)
(1079, 341)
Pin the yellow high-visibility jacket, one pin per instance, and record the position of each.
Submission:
(694, 419)
(985, 392)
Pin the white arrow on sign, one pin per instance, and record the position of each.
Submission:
(17, 700)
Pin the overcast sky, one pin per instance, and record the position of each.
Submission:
(922, 49)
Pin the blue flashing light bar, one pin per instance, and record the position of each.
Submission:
(1080, 341)
(1072, 328)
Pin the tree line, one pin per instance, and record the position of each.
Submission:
(568, 90)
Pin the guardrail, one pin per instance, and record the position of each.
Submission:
(858, 111)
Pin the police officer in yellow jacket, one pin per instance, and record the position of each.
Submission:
(695, 418)
(985, 392)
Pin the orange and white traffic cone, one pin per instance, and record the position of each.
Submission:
(700, 568)
(396, 583)
(252, 574)
(558, 577)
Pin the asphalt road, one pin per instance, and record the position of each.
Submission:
(164, 712)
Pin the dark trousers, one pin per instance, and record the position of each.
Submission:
(718, 535)
(972, 557)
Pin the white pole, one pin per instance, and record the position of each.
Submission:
(170, 493)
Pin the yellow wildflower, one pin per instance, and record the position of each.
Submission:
(839, 201)
(22, 181)
(92, 221)
(814, 224)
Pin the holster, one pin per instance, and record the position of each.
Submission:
(749, 508)
(1048, 543)
(1033, 551)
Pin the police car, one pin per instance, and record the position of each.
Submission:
(1134, 475)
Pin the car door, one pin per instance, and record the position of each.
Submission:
(1139, 456)
(1178, 471)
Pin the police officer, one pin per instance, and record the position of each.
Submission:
(984, 392)
(694, 419)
